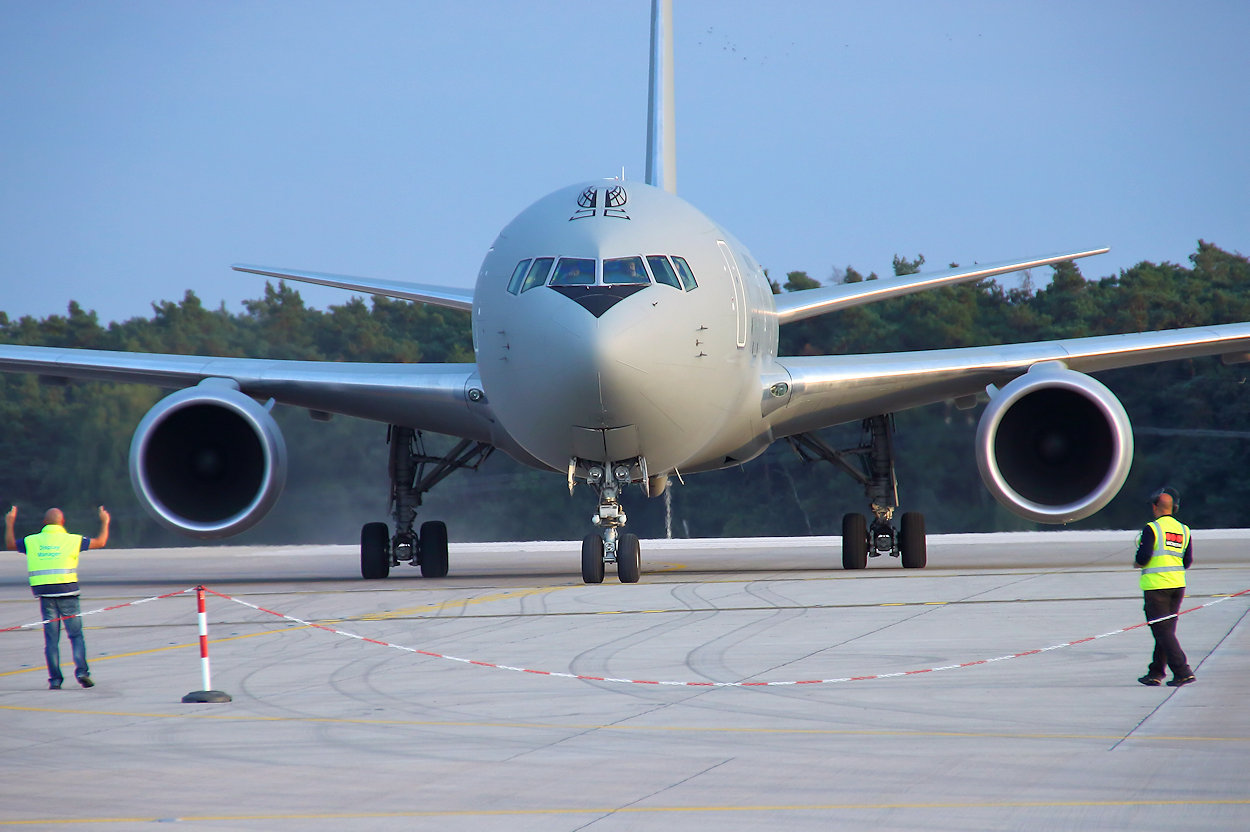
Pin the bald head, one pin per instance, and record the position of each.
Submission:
(1163, 504)
(54, 517)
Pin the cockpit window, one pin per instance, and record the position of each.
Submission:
(667, 269)
(663, 270)
(687, 275)
(514, 282)
(574, 271)
(538, 273)
(620, 270)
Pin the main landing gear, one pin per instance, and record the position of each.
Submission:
(861, 539)
(612, 544)
(410, 480)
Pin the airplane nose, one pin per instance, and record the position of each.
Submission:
(598, 299)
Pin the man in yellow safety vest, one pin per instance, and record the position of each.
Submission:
(1164, 552)
(52, 564)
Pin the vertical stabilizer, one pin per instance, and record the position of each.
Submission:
(661, 122)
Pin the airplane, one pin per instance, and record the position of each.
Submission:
(623, 338)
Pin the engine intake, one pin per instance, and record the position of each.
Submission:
(208, 461)
(1054, 445)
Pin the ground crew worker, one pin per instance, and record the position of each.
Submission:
(52, 564)
(1164, 552)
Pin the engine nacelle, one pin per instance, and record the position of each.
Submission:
(1054, 445)
(208, 461)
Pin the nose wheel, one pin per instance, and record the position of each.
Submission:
(592, 559)
(628, 558)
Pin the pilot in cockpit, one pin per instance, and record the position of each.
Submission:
(624, 270)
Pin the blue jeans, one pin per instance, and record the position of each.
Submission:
(62, 607)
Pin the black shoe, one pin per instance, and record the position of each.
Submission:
(1150, 681)
(54, 685)
(86, 682)
(1184, 680)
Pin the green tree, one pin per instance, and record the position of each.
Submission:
(797, 281)
(904, 266)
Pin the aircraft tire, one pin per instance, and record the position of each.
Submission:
(629, 559)
(375, 551)
(592, 559)
(854, 541)
(434, 549)
(911, 544)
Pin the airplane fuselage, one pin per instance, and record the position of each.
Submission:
(613, 320)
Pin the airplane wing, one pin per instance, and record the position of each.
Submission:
(830, 390)
(808, 303)
(446, 296)
(434, 397)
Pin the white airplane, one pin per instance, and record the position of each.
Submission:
(623, 338)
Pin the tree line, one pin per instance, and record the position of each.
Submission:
(67, 443)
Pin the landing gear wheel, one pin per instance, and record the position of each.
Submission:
(375, 551)
(434, 549)
(628, 559)
(911, 542)
(854, 541)
(592, 559)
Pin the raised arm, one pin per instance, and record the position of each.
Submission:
(102, 537)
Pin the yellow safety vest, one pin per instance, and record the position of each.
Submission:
(1166, 567)
(52, 558)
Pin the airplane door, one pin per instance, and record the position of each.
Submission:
(740, 297)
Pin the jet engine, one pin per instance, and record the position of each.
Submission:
(208, 461)
(1054, 445)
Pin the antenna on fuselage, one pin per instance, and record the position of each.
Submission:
(661, 121)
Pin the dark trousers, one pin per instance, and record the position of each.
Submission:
(1165, 604)
(57, 608)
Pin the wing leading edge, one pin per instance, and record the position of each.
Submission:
(830, 390)
(808, 303)
(433, 397)
(446, 296)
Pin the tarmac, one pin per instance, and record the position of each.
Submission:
(742, 684)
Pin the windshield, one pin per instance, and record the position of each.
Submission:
(574, 271)
(624, 270)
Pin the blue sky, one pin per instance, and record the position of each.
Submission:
(148, 144)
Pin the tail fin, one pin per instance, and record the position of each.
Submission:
(661, 121)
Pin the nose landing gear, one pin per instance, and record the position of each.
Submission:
(612, 544)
